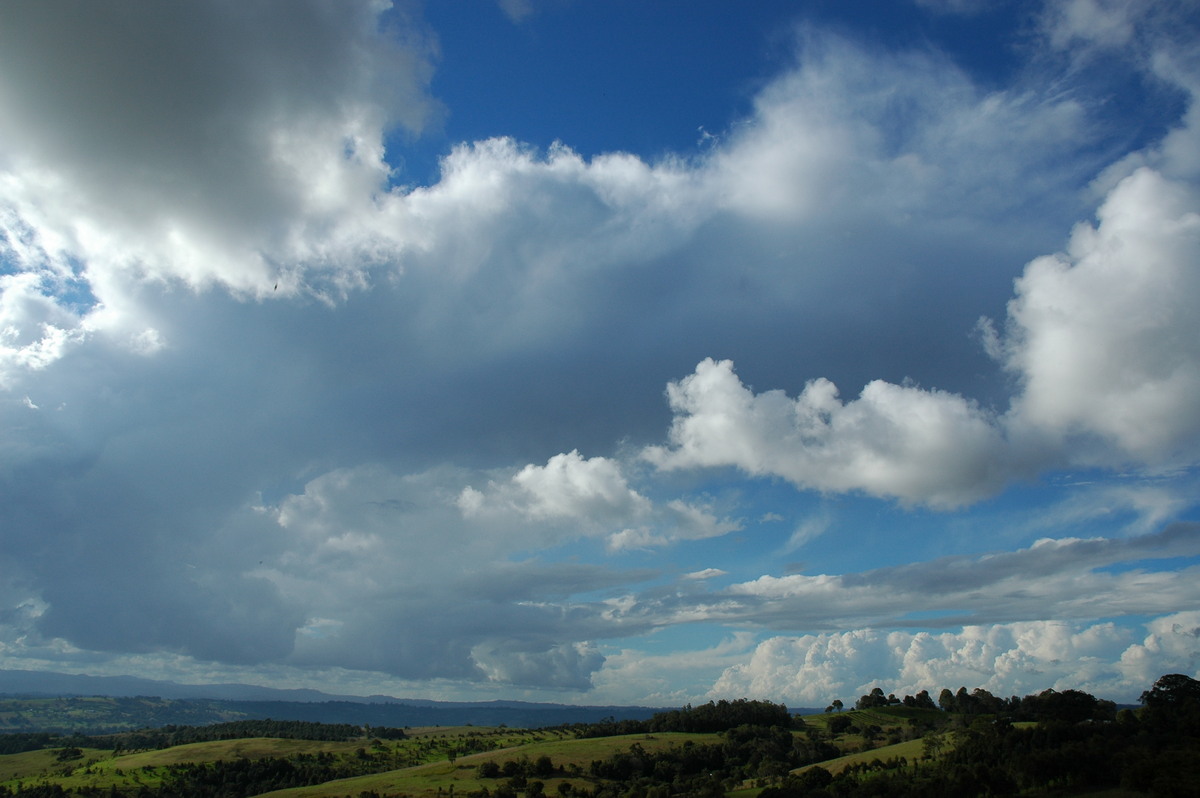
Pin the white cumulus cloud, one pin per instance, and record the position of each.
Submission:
(1104, 340)
(1005, 659)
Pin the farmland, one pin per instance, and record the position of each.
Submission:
(1051, 743)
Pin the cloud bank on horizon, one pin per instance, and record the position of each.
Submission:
(278, 408)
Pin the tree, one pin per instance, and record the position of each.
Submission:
(946, 700)
(839, 724)
(814, 778)
(836, 706)
(1173, 704)
(1172, 690)
(933, 744)
(923, 700)
(984, 703)
(1069, 706)
(875, 698)
(962, 701)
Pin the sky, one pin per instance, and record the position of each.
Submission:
(602, 352)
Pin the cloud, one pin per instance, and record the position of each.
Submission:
(1070, 578)
(592, 497)
(1005, 659)
(213, 145)
(1170, 646)
(377, 466)
(1103, 339)
(516, 10)
(639, 675)
(265, 175)
(1097, 23)
(909, 125)
(568, 486)
(806, 531)
(563, 666)
(394, 571)
(893, 440)
(35, 330)
(1146, 505)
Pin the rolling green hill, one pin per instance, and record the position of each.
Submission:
(1049, 744)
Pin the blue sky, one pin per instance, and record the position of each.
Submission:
(602, 352)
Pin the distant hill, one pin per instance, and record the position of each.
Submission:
(200, 704)
(18, 682)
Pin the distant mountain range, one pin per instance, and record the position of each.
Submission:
(251, 701)
(17, 682)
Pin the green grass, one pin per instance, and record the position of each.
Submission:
(246, 748)
(101, 769)
(36, 764)
(462, 775)
(427, 753)
(912, 750)
(428, 746)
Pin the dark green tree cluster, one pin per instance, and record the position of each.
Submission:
(715, 716)
(27, 741)
(977, 702)
(921, 700)
(875, 698)
(1069, 706)
(721, 715)
(543, 768)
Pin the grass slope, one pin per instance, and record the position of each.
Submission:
(462, 774)
(437, 760)
(101, 769)
(37, 765)
(912, 750)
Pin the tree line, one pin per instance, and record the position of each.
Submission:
(1070, 705)
(715, 716)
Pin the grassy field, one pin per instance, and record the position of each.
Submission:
(461, 776)
(432, 768)
(426, 751)
(912, 750)
(443, 761)
(33, 765)
(101, 769)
